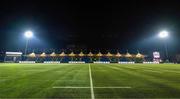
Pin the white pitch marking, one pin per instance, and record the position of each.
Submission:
(69, 87)
(114, 87)
(126, 87)
(91, 83)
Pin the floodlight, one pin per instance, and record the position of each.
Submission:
(163, 34)
(28, 34)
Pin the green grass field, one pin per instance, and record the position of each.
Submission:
(93, 81)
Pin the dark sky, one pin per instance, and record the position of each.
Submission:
(94, 25)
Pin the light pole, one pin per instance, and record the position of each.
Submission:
(164, 35)
(28, 35)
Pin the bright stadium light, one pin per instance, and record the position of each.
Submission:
(163, 34)
(28, 34)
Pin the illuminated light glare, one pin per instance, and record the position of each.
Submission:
(163, 34)
(28, 34)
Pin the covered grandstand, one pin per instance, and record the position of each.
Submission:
(88, 57)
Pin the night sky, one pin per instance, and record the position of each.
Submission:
(132, 25)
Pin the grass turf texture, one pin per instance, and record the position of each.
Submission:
(128, 80)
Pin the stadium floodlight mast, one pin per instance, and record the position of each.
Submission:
(164, 35)
(28, 34)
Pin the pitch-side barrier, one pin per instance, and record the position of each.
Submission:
(76, 62)
(83, 62)
(27, 62)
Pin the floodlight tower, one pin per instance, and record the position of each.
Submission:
(28, 35)
(164, 35)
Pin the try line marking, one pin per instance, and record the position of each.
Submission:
(91, 83)
(126, 87)
(70, 87)
(114, 87)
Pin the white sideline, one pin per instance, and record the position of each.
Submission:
(114, 87)
(91, 83)
(126, 87)
(70, 87)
